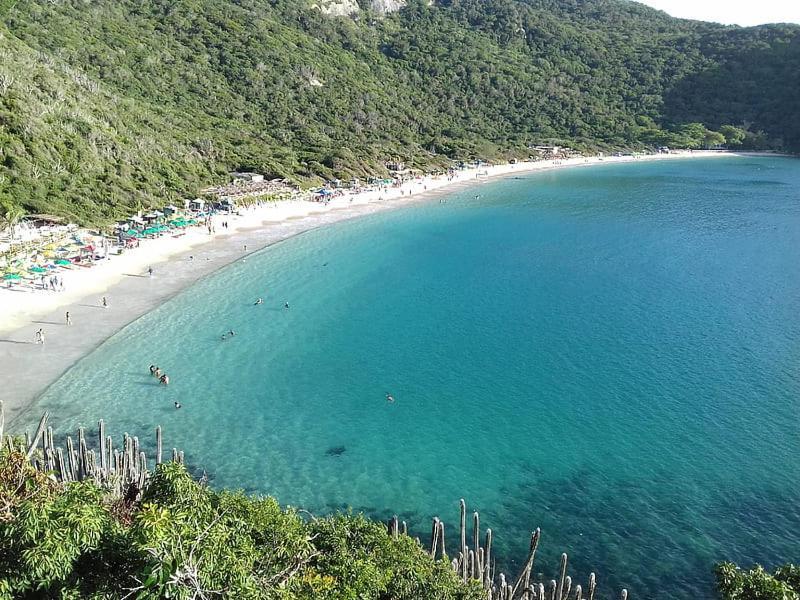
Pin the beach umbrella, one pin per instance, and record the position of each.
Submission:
(37, 270)
(12, 277)
(62, 262)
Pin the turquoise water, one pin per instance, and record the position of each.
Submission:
(612, 354)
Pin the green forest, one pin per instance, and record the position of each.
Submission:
(114, 105)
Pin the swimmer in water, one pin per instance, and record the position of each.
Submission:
(259, 301)
(231, 333)
(285, 305)
(157, 373)
(389, 398)
(177, 404)
(152, 369)
(164, 379)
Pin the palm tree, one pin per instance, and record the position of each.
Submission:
(10, 216)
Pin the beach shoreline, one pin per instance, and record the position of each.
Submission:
(27, 369)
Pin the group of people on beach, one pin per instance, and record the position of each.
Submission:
(53, 283)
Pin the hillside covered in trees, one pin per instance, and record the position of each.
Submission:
(111, 105)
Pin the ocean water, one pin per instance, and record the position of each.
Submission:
(611, 354)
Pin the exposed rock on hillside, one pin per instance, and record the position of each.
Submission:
(339, 8)
(387, 6)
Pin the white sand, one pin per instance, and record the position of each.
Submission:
(26, 369)
(19, 307)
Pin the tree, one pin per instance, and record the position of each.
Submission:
(713, 138)
(734, 136)
(10, 216)
(758, 584)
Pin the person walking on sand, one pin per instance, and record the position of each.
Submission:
(105, 302)
(39, 337)
(149, 271)
(69, 319)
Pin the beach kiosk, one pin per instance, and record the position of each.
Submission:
(197, 205)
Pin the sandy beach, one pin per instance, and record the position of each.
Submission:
(27, 368)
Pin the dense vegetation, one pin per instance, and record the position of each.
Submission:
(184, 540)
(109, 105)
(757, 584)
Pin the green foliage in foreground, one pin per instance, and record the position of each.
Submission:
(73, 541)
(113, 105)
(184, 540)
(758, 584)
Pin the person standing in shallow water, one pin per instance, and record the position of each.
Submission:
(68, 319)
(105, 302)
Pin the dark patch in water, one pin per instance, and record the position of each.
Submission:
(335, 451)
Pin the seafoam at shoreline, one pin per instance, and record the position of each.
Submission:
(27, 369)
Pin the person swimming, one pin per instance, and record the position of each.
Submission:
(231, 333)
(389, 398)
(152, 369)
(285, 305)
(157, 373)
(164, 379)
(259, 301)
(177, 404)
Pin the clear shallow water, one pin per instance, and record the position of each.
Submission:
(612, 354)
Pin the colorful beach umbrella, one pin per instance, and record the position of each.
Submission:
(62, 262)
(38, 270)
(12, 277)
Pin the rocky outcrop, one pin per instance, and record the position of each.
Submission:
(346, 8)
(338, 8)
(387, 6)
